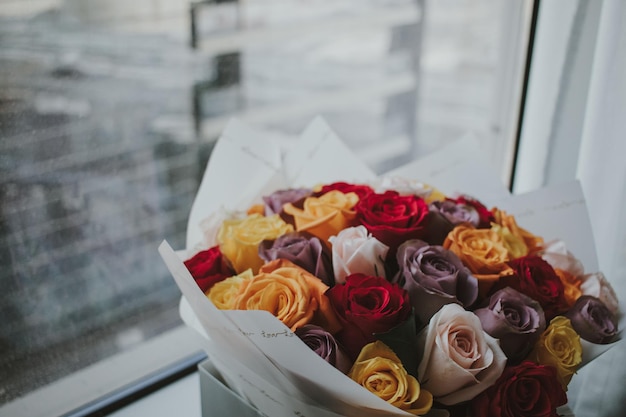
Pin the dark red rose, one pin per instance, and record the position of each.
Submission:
(393, 218)
(528, 389)
(361, 190)
(367, 305)
(208, 267)
(537, 279)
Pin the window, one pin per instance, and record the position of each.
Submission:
(108, 111)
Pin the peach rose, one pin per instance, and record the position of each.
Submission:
(239, 239)
(291, 294)
(459, 359)
(482, 251)
(379, 370)
(326, 215)
(560, 347)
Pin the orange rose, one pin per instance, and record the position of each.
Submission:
(224, 293)
(482, 251)
(324, 216)
(290, 293)
(533, 243)
(571, 285)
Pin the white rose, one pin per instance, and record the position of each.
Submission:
(354, 250)
(459, 359)
(404, 186)
(598, 286)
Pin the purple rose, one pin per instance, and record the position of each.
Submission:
(592, 320)
(514, 318)
(274, 202)
(433, 277)
(456, 212)
(304, 250)
(325, 346)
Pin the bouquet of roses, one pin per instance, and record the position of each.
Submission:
(428, 301)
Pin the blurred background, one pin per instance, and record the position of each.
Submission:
(109, 110)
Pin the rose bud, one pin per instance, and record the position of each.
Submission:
(459, 360)
(434, 277)
(304, 250)
(274, 202)
(528, 389)
(592, 320)
(515, 319)
(325, 346)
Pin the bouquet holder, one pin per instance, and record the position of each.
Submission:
(256, 365)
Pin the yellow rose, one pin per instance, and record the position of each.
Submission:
(239, 239)
(291, 294)
(559, 346)
(482, 251)
(533, 243)
(379, 370)
(324, 216)
(224, 293)
(514, 244)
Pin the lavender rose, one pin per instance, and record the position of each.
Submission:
(433, 277)
(514, 318)
(325, 346)
(456, 213)
(592, 320)
(304, 250)
(274, 202)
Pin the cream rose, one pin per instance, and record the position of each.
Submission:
(379, 370)
(459, 359)
(355, 250)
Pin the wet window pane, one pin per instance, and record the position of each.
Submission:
(109, 109)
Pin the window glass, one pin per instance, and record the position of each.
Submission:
(109, 109)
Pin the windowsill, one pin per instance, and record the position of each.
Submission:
(178, 398)
(73, 395)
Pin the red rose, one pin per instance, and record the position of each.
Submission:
(208, 267)
(366, 305)
(393, 218)
(361, 190)
(528, 389)
(537, 279)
